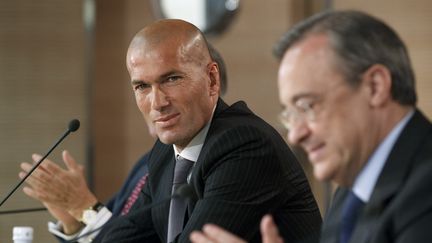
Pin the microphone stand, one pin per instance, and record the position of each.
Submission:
(73, 126)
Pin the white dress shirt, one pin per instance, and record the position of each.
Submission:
(365, 182)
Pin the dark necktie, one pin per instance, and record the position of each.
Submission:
(351, 209)
(178, 205)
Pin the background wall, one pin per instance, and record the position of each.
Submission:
(52, 70)
(43, 85)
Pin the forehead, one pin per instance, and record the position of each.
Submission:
(146, 62)
(307, 69)
(139, 54)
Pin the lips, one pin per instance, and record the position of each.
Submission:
(315, 152)
(167, 120)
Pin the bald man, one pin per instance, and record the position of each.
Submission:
(240, 168)
(68, 192)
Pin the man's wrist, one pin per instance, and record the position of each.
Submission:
(71, 228)
(90, 213)
(77, 211)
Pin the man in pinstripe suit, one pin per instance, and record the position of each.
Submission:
(242, 169)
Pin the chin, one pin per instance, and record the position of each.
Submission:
(166, 138)
(322, 174)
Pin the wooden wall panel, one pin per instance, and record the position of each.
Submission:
(42, 87)
(412, 21)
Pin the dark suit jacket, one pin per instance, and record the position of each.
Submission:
(116, 203)
(400, 208)
(244, 170)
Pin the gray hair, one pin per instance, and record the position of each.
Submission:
(217, 57)
(359, 41)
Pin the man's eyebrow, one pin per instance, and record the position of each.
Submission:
(302, 95)
(159, 79)
(135, 82)
(297, 97)
(170, 73)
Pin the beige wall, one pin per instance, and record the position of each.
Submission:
(43, 79)
(42, 87)
(412, 20)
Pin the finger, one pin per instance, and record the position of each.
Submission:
(28, 191)
(39, 173)
(22, 174)
(31, 193)
(33, 182)
(217, 234)
(35, 194)
(37, 157)
(26, 167)
(70, 162)
(269, 230)
(40, 182)
(40, 191)
(47, 165)
(52, 168)
(198, 237)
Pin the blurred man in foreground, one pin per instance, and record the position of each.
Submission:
(347, 87)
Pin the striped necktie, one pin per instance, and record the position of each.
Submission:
(178, 205)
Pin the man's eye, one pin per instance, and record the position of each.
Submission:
(141, 86)
(305, 105)
(171, 79)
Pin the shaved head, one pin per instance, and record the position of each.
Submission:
(179, 35)
(175, 81)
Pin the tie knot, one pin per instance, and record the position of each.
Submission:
(181, 171)
(352, 204)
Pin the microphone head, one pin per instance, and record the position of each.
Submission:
(74, 125)
(186, 191)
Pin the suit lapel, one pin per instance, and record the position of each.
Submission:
(392, 177)
(221, 112)
(161, 169)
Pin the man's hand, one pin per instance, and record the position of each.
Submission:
(70, 224)
(215, 234)
(59, 188)
(269, 230)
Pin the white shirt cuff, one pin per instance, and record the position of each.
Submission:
(101, 218)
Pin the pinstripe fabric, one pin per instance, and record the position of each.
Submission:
(244, 170)
(178, 206)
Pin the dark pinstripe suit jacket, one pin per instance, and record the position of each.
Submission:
(244, 170)
(400, 208)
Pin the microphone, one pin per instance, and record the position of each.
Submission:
(27, 210)
(72, 127)
(185, 191)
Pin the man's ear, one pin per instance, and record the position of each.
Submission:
(378, 82)
(214, 78)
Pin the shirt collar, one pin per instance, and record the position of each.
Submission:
(193, 149)
(365, 182)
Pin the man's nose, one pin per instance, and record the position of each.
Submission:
(298, 132)
(158, 99)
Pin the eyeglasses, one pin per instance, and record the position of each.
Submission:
(303, 111)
